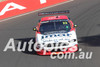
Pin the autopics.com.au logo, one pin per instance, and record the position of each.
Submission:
(59, 55)
(76, 55)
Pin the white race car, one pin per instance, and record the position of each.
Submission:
(57, 32)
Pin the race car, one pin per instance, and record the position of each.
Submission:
(51, 31)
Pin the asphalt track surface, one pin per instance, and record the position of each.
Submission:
(84, 13)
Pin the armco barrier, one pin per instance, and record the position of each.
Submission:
(11, 8)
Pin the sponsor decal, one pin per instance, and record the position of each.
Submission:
(14, 6)
(43, 1)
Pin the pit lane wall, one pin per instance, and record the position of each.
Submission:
(11, 8)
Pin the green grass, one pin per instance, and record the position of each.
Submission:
(2, 0)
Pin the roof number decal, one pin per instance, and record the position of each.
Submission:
(64, 22)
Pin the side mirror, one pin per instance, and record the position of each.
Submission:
(39, 20)
(34, 29)
(68, 18)
(75, 25)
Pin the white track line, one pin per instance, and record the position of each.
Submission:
(35, 11)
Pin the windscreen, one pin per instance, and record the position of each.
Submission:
(55, 25)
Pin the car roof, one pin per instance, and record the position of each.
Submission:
(54, 17)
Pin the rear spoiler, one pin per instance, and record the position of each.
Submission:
(53, 13)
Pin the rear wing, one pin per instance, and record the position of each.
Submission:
(53, 13)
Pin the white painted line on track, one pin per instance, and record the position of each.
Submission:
(35, 11)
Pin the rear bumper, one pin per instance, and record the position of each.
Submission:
(70, 50)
